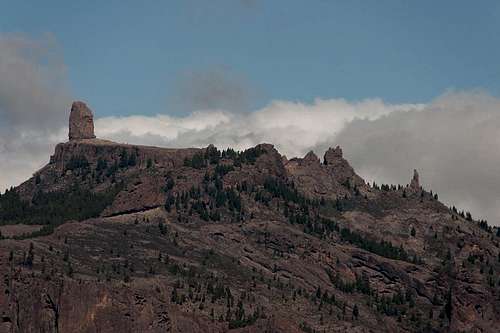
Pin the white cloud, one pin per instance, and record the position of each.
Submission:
(293, 127)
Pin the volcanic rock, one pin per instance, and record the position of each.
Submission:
(333, 156)
(81, 122)
(311, 158)
(415, 183)
(340, 168)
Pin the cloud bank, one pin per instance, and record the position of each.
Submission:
(293, 127)
(33, 102)
(453, 140)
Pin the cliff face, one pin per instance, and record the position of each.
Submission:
(199, 240)
(94, 163)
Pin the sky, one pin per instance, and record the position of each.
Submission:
(398, 84)
(293, 49)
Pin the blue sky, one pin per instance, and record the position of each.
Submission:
(126, 57)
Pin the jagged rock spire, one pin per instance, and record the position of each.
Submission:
(340, 168)
(333, 156)
(415, 182)
(81, 122)
(311, 158)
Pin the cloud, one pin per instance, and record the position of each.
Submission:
(293, 127)
(32, 82)
(33, 101)
(209, 89)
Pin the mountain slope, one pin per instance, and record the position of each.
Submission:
(143, 239)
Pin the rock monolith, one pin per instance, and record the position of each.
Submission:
(81, 122)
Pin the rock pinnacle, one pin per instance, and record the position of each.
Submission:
(415, 182)
(81, 122)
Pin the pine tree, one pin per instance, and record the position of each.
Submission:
(448, 306)
(355, 311)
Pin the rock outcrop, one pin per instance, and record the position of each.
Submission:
(329, 180)
(81, 122)
(340, 168)
(333, 156)
(311, 158)
(415, 182)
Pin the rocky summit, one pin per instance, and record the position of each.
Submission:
(110, 237)
(81, 122)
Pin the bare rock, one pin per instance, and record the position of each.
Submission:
(333, 156)
(313, 178)
(81, 122)
(415, 182)
(311, 158)
(340, 168)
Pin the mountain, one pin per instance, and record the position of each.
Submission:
(111, 237)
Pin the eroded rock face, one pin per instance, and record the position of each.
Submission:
(340, 168)
(81, 122)
(415, 182)
(333, 156)
(311, 158)
(330, 180)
